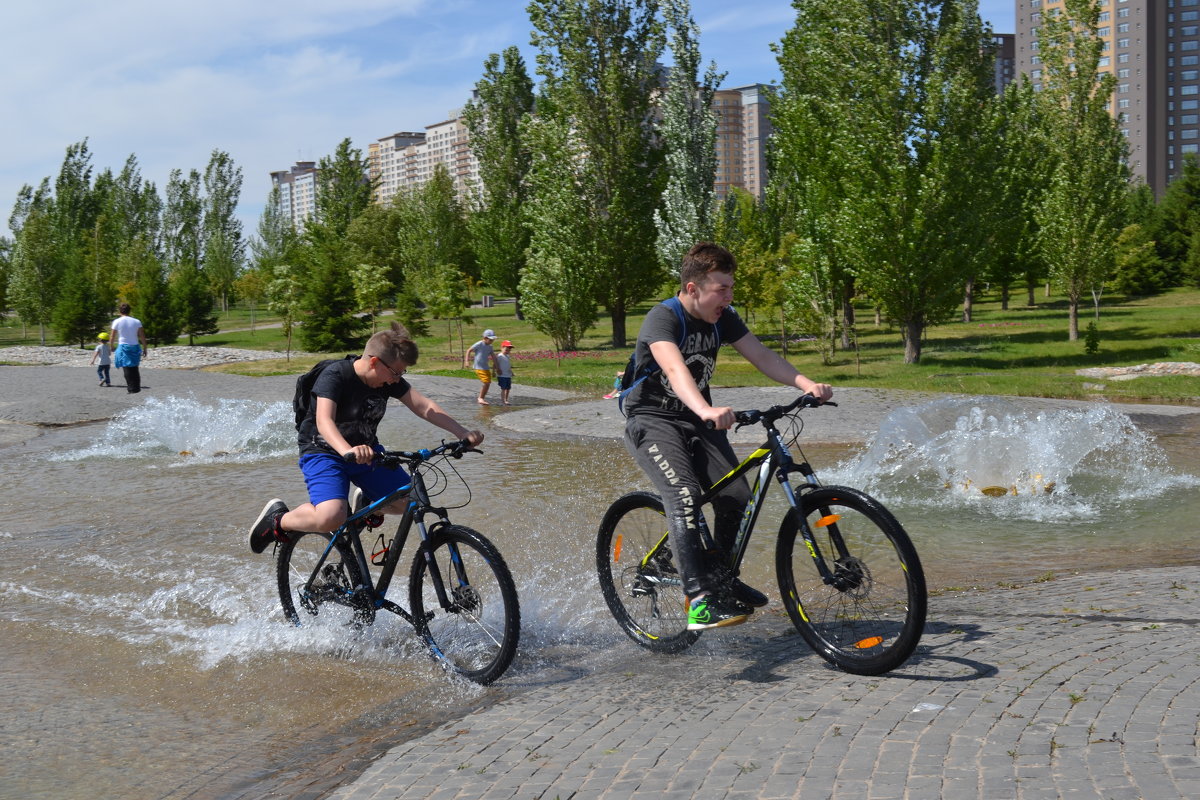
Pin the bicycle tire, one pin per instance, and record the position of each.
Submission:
(870, 619)
(646, 599)
(295, 562)
(477, 636)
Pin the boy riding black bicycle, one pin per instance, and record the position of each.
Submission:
(680, 439)
(348, 400)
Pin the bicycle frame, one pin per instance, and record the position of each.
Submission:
(770, 458)
(415, 511)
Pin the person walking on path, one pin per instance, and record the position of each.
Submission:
(130, 339)
(504, 371)
(104, 353)
(340, 420)
(482, 358)
(680, 439)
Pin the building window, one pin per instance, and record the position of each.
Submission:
(1122, 43)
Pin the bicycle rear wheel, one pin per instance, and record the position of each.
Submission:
(335, 583)
(475, 632)
(868, 619)
(645, 594)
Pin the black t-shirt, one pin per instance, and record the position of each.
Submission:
(359, 407)
(654, 394)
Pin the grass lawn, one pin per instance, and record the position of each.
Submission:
(1021, 351)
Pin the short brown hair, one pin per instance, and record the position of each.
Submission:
(392, 344)
(703, 258)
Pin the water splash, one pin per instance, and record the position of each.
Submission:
(181, 428)
(1010, 459)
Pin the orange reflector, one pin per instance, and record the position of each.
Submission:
(826, 521)
(617, 548)
(867, 644)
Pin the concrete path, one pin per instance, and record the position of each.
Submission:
(1081, 687)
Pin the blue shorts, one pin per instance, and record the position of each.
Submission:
(505, 383)
(328, 478)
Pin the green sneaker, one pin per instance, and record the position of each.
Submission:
(715, 611)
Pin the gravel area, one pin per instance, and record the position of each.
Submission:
(169, 356)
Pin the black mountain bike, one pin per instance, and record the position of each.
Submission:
(848, 574)
(461, 596)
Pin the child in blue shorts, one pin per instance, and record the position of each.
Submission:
(351, 396)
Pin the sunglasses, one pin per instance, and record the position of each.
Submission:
(396, 375)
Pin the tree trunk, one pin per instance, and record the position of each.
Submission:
(847, 318)
(617, 315)
(968, 299)
(912, 341)
(1004, 297)
(878, 317)
(1073, 320)
(1031, 300)
(783, 335)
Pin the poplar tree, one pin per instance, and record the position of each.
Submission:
(599, 64)
(36, 269)
(224, 248)
(1083, 209)
(559, 281)
(498, 229)
(689, 133)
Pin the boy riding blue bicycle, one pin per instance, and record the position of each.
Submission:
(680, 439)
(337, 436)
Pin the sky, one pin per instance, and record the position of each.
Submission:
(272, 82)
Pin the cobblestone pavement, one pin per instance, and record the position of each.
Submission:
(1082, 686)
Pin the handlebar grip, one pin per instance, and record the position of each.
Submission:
(349, 457)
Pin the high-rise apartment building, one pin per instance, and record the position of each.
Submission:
(743, 128)
(297, 191)
(1004, 45)
(407, 160)
(1153, 49)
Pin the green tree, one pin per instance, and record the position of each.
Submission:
(498, 229)
(276, 239)
(183, 222)
(558, 279)
(899, 196)
(224, 248)
(1083, 209)
(155, 300)
(80, 309)
(371, 286)
(191, 294)
(343, 193)
(284, 293)
(1178, 215)
(1139, 268)
(689, 134)
(1013, 256)
(36, 270)
(599, 64)
(433, 234)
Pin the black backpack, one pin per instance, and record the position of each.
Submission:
(631, 378)
(302, 401)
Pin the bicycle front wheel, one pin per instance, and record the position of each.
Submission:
(473, 627)
(638, 576)
(867, 616)
(334, 584)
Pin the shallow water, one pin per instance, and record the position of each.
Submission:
(146, 657)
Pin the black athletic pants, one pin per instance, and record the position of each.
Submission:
(133, 379)
(683, 461)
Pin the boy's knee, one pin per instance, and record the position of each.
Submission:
(330, 515)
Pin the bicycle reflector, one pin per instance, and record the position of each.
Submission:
(868, 643)
(617, 549)
(827, 520)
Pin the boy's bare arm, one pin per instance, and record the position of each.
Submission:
(777, 368)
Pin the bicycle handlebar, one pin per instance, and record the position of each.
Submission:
(391, 459)
(770, 415)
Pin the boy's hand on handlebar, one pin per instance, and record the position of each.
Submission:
(718, 417)
(359, 454)
(821, 391)
(474, 438)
